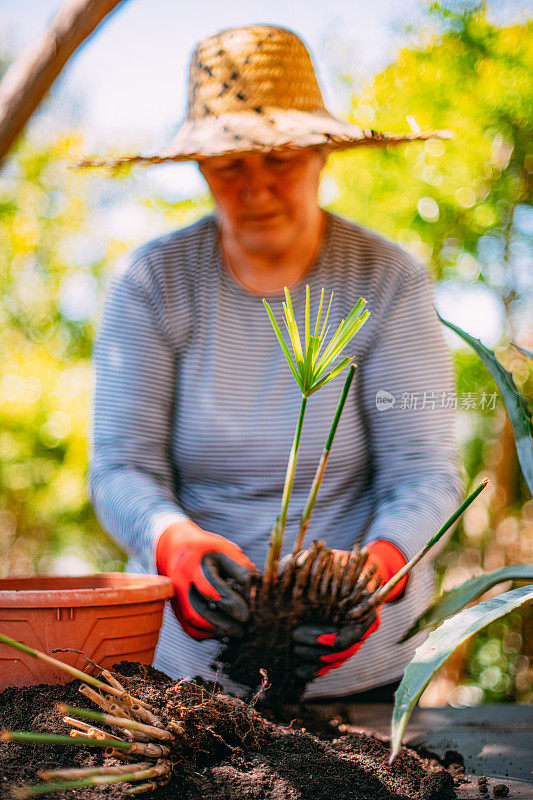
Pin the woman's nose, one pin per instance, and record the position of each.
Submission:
(257, 185)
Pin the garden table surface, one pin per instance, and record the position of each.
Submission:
(495, 740)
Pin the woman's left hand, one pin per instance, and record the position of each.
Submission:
(321, 648)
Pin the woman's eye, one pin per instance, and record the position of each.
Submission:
(282, 161)
(227, 169)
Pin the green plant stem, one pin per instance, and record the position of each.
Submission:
(276, 539)
(121, 694)
(76, 673)
(97, 780)
(74, 774)
(53, 738)
(317, 480)
(119, 722)
(141, 788)
(380, 595)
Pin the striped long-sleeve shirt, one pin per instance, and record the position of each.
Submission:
(195, 412)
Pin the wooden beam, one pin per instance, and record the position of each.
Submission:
(31, 75)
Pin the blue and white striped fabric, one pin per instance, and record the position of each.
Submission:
(195, 411)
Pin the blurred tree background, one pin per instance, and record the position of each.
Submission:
(463, 206)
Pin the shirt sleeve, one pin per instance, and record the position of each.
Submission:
(406, 384)
(131, 476)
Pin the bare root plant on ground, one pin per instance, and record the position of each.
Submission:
(188, 739)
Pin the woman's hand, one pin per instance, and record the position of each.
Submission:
(199, 563)
(323, 647)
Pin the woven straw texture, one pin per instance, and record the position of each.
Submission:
(254, 89)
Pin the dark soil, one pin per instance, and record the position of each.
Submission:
(268, 646)
(438, 786)
(500, 790)
(229, 751)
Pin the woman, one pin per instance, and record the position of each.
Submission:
(195, 406)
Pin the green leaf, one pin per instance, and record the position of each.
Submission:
(440, 645)
(356, 311)
(451, 602)
(333, 374)
(326, 317)
(330, 352)
(307, 315)
(515, 403)
(351, 329)
(309, 372)
(293, 330)
(319, 313)
(344, 333)
(284, 347)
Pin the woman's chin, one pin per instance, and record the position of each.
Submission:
(270, 241)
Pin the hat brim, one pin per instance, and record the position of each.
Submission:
(264, 130)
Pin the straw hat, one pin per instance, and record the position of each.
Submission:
(253, 88)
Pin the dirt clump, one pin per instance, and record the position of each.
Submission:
(268, 645)
(438, 786)
(500, 790)
(453, 759)
(228, 750)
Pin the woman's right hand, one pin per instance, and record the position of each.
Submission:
(199, 564)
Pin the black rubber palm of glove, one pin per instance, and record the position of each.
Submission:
(228, 613)
(323, 647)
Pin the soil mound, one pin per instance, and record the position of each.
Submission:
(229, 751)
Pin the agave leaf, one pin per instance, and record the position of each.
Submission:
(437, 648)
(515, 403)
(451, 602)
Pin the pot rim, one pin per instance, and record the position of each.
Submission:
(98, 589)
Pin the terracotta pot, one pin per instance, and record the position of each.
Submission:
(110, 617)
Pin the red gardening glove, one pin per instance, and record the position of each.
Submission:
(322, 648)
(388, 560)
(199, 563)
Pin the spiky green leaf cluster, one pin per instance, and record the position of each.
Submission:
(311, 362)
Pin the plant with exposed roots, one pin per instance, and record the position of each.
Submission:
(317, 583)
(191, 720)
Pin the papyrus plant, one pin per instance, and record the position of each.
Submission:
(312, 364)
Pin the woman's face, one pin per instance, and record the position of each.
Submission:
(266, 201)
